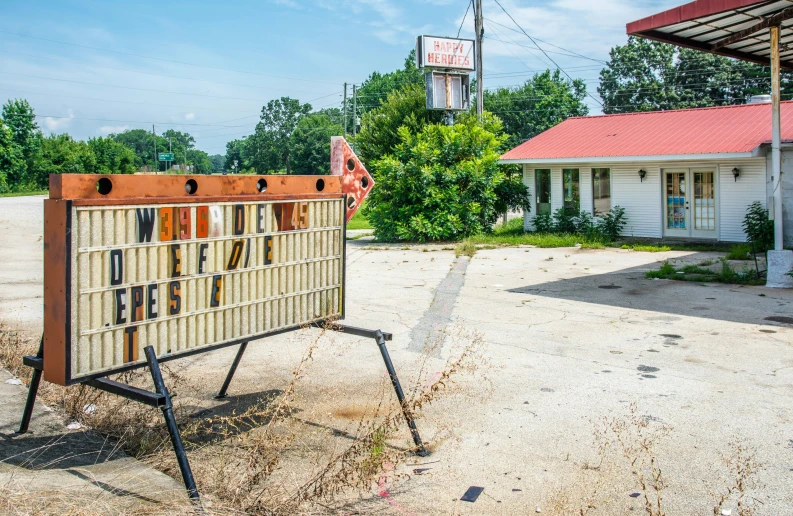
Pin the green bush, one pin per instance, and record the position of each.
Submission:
(439, 184)
(739, 252)
(543, 223)
(608, 228)
(759, 230)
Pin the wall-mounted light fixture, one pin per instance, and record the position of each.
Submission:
(736, 174)
(642, 175)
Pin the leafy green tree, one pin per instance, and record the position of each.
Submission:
(440, 182)
(25, 135)
(269, 145)
(142, 143)
(310, 144)
(11, 162)
(236, 150)
(111, 157)
(647, 76)
(639, 77)
(335, 115)
(218, 163)
(539, 104)
(379, 128)
(200, 161)
(61, 154)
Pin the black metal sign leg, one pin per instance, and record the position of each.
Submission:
(222, 393)
(170, 422)
(420, 449)
(33, 390)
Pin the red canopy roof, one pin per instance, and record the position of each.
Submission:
(733, 28)
(735, 130)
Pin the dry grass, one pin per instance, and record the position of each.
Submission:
(240, 460)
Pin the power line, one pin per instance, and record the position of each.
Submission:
(543, 51)
(161, 59)
(464, 17)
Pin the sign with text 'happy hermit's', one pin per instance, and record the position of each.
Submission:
(181, 273)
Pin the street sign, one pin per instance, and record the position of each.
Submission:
(445, 53)
(166, 156)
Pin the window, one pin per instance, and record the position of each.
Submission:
(572, 193)
(601, 190)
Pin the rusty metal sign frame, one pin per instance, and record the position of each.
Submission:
(349, 181)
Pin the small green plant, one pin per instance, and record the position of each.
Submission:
(758, 228)
(563, 221)
(647, 248)
(666, 270)
(612, 223)
(543, 223)
(740, 252)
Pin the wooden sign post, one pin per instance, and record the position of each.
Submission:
(140, 270)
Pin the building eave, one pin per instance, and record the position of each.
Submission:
(756, 153)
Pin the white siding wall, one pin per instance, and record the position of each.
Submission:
(528, 180)
(787, 193)
(585, 187)
(641, 199)
(644, 201)
(557, 195)
(736, 196)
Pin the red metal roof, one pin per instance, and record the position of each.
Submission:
(688, 12)
(717, 130)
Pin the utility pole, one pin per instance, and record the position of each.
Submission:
(480, 32)
(156, 160)
(345, 109)
(354, 112)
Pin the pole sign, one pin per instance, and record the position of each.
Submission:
(188, 263)
(445, 53)
(166, 156)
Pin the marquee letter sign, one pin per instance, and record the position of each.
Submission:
(186, 264)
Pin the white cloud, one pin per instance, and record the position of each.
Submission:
(189, 116)
(55, 124)
(112, 129)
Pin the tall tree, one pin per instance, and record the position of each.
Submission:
(270, 141)
(111, 157)
(539, 104)
(62, 154)
(25, 134)
(310, 144)
(236, 151)
(218, 163)
(11, 162)
(639, 76)
(646, 76)
(142, 143)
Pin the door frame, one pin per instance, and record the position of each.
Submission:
(690, 231)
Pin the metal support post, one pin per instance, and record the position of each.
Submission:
(420, 449)
(479, 27)
(230, 375)
(170, 422)
(776, 139)
(33, 390)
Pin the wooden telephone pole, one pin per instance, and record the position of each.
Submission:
(480, 32)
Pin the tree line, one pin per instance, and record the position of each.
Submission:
(28, 156)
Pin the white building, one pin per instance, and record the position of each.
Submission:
(685, 174)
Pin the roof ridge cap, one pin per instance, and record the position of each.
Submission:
(663, 111)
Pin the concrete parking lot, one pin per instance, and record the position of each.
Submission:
(572, 336)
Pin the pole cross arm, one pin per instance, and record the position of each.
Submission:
(772, 21)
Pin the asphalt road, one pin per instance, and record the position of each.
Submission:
(573, 336)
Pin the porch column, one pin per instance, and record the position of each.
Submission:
(776, 139)
(780, 262)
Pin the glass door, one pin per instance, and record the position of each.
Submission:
(704, 209)
(676, 204)
(690, 203)
(542, 180)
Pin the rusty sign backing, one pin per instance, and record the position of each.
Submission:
(185, 264)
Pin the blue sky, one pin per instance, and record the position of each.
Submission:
(92, 67)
